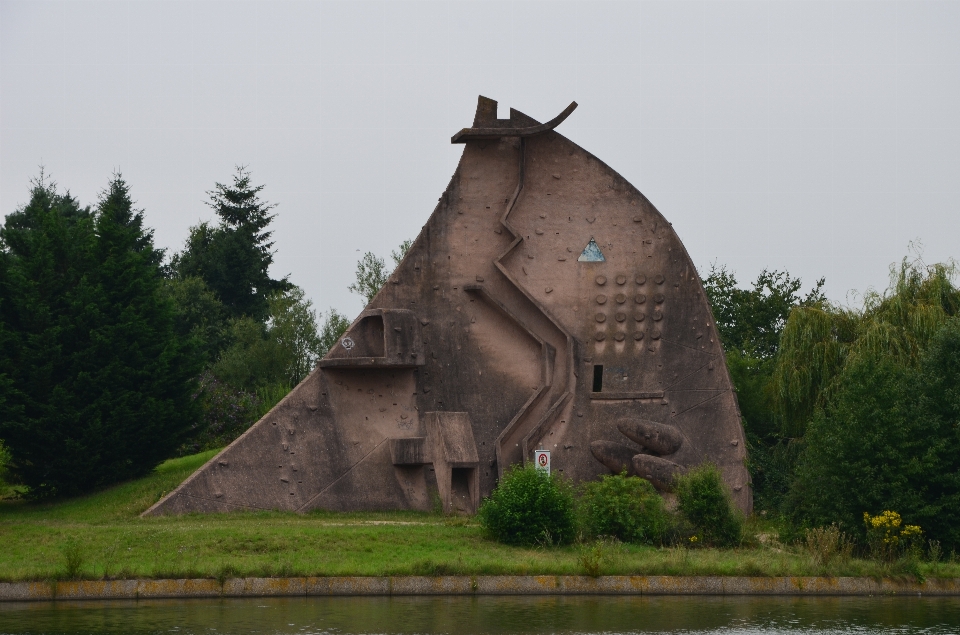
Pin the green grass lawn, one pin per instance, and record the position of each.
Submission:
(102, 536)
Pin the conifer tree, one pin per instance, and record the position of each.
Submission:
(234, 257)
(99, 385)
(141, 370)
(46, 312)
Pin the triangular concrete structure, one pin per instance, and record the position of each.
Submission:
(494, 338)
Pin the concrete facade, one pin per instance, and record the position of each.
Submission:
(546, 304)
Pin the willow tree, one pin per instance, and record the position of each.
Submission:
(875, 393)
(819, 341)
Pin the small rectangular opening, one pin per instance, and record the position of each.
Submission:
(460, 488)
(597, 377)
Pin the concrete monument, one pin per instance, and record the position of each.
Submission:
(546, 304)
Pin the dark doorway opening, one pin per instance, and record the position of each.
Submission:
(597, 377)
(460, 497)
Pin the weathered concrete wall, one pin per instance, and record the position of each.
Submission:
(494, 319)
(470, 585)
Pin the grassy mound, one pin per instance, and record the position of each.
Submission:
(119, 502)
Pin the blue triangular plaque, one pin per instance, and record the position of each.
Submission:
(591, 253)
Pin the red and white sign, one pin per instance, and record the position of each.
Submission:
(541, 458)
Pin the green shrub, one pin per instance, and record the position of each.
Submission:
(703, 499)
(888, 538)
(227, 412)
(5, 459)
(529, 507)
(624, 507)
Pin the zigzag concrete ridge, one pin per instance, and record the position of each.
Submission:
(470, 585)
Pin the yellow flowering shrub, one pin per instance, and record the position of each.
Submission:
(888, 536)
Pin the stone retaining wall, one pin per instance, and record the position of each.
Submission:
(470, 585)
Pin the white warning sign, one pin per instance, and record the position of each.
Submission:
(541, 458)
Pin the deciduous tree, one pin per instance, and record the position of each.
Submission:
(875, 393)
(750, 322)
(372, 272)
(334, 325)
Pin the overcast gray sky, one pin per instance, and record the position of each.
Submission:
(816, 137)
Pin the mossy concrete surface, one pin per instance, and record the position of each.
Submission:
(471, 585)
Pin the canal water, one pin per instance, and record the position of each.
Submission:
(490, 614)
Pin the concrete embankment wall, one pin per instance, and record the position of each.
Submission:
(469, 585)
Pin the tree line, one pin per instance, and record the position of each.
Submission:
(114, 357)
(849, 412)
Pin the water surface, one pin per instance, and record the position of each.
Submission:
(489, 614)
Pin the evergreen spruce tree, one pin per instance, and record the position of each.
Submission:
(100, 387)
(234, 257)
(46, 314)
(141, 371)
(9, 397)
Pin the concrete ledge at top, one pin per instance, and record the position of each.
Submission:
(470, 585)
